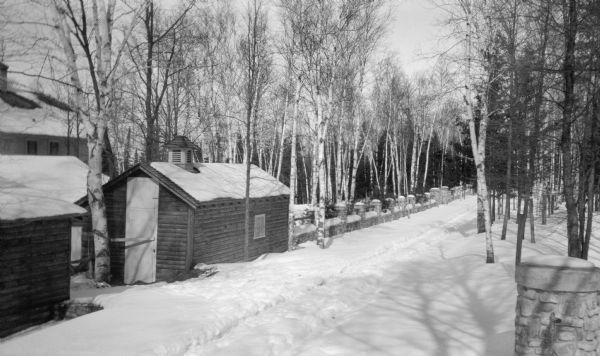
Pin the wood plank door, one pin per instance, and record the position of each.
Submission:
(141, 225)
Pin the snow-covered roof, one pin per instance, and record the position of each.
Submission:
(24, 203)
(222, 180)
(38, 117)
(59, 177)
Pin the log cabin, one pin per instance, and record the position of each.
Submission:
(166, 217)
(35, 236)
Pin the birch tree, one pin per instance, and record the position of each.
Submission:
(255, 61)
(475, 99)
(102, 62)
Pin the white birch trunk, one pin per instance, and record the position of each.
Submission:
(427, 156)
(478, 147)
(413, 163)
(282, 142)
(293, 171)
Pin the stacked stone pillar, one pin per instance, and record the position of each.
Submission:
(360, 210)
(445, 193)
(402, 205)
(391, 205)
(411, 203)
(435, 194)
(557, 307)
(376, 207)
(340, 209)
(427, 199)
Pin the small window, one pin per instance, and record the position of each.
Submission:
(53, 151)
(188, 156)
(176, 156)
(32, 147)
(259, 226)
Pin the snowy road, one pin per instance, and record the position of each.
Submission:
(407, 298)
(414, 286)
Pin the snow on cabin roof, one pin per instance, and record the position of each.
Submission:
(24, 203)
(32, 113)
(59, 177)
(222, 180)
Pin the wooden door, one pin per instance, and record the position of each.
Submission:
(140, 230)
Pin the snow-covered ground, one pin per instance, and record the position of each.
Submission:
(415, 286)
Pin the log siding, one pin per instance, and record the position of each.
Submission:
(172, 235)
(219, 229)
(34, 272)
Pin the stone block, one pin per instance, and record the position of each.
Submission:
(525, 350)
(528, 306)
(534, 328)
(573, 321)
(568, 306)
(591, 302)
(545, 318)
(564, 348)
(549, 298)
(590, 324)
(530, 293)
(566, 336)
(546, 307)
(587, 345)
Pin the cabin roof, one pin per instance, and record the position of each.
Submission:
(27, 204)
(222, 180)
(213, 181)
(59, 177)
(26, 111)
(181, 142)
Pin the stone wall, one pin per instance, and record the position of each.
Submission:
(367, 215)
(557, 309)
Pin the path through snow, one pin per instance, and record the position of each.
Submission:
(407, 298)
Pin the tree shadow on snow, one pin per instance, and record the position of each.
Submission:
(444, 309)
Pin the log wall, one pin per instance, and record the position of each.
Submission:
(34, 272)
(219, 229)
(172, 235)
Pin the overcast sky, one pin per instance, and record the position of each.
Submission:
(414, 33)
